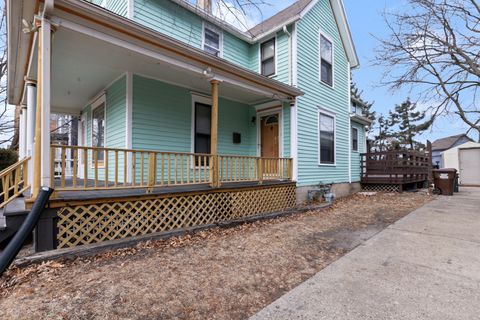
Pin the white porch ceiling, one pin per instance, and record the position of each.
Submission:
(82, 66)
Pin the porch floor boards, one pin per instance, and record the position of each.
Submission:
(75, 195)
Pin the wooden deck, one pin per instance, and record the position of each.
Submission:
(396, 167)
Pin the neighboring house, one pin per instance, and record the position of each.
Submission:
(440, 145)
(466, 159)
(168, 94)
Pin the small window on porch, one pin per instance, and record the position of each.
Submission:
(267, 52)
(354, 139)
(98, 131)
(203, 128)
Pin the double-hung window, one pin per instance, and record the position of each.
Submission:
(326, 60)
(98, 132)
(354, 139)
(212, 41)
(203, 128)
(326, 138)
(267, 57)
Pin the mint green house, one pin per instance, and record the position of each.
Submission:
(168, 96)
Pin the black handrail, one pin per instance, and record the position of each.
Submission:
(14, 246)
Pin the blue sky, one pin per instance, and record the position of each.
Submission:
(366, 23)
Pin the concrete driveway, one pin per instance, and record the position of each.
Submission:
(425, 266)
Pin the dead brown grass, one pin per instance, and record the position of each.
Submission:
(214, 274)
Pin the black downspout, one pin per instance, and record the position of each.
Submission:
(14, 246)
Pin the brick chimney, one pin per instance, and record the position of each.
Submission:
(206, 5)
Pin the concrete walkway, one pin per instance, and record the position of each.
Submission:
(425, 266)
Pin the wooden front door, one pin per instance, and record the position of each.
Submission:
(269, 132)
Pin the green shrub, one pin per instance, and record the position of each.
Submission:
(7, 158)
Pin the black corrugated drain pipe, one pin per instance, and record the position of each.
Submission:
(14, 246)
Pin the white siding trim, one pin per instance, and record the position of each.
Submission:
(349, 95)
(295, 55)
(130, 9)
(294, 138)
(334, 116)
(308, 8)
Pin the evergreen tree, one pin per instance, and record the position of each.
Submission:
(365, 105)
(410, 122)
(384, 138)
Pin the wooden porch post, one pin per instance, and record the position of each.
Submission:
(37, 150)
(214, 135)
(41, 166)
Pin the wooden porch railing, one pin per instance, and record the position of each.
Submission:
(396, 166)
(14, 181)
(90, 168)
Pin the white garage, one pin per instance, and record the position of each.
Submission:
(470, 166)
(466, 159)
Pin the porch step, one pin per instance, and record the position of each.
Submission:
(11, 218)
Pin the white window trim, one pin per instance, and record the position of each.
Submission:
(275, 57)
(200, 99)
(268, 111)
(97, 103)
(334, 116)
(358, 140)
(320, 34)
(214, 29)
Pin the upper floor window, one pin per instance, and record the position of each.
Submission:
(354, 108)
(212, 41)
(354, 139)
(326, 138)
(326, 60)
(267, 57)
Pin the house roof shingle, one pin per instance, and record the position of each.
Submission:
(448, 142)
(295, 9)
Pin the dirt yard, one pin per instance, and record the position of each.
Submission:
(215, 274)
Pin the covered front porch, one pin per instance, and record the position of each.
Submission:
(166, 136)
(151, 111)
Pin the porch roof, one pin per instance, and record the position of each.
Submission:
(87, 29)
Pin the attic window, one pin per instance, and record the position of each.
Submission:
(267, 52)
(326, 60)
(212, 41)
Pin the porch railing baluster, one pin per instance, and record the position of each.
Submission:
(171, 168)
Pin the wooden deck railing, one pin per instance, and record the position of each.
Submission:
(395, 167)
(90, 168)
(14, 181)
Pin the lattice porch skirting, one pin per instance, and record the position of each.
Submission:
(93, 223)
(381, 187)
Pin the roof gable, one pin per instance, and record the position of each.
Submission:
(449, 142)
(287, 16)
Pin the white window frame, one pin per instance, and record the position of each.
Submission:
(220, 38)
(320, 35)
(358, 139)
(334, 116)
(274, 57)
(97, 103)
